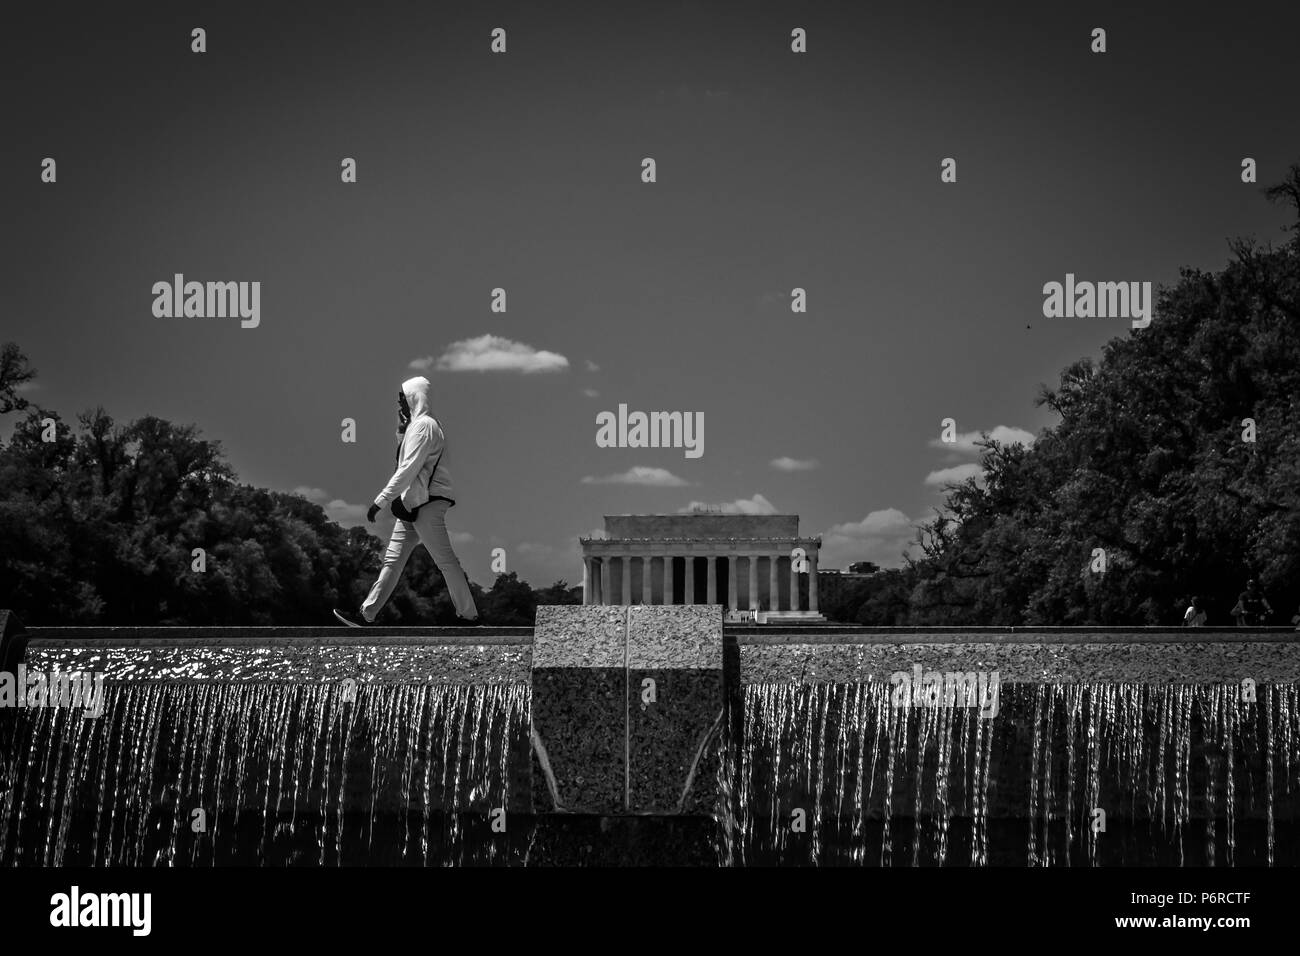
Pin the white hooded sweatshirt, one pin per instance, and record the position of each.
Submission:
(423, 447)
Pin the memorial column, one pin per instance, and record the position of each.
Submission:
(646, 597)
(794, 586)
(773, 586)
(753, 581)
(731, 581)
(812, 582)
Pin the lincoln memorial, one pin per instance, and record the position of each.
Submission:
(744, 562)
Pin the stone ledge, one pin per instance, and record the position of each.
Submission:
(1024, 662)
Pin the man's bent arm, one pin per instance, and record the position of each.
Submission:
(415, 453)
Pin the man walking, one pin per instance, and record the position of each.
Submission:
(1252, 607)
(419, 494)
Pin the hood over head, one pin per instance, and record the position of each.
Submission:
(416, 391)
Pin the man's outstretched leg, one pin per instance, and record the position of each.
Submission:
(431, 524)
(400, 546)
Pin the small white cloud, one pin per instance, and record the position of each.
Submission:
(639, 475)
(793, 464)
(461, 537)
(28, 386)
(592, 366)
(757, 505)
(957, 473)
(492, 353)
(882, 536)
(336, 509)
(591, 393)
(965, 443)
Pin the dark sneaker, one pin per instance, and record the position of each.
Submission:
(469, 622)
(351, 618)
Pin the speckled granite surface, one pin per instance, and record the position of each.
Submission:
(1148, 663)
(669, 742)
(624, 700)
(580, 636)
(674, 636)
(579, 714)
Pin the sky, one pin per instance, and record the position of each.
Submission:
(522, 170)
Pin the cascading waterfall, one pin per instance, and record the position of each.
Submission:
(264, 773)
(1065, 774)
(219, 757)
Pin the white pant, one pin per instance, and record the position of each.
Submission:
(429, 529)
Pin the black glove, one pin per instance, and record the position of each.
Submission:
(371, 512)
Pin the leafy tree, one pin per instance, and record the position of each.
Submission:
(15, 372)
(1148, 464)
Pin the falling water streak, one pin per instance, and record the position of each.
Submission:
(825, 693)
(325, 731)
(980, 840)
(1035, 857)
(1268, 764)
(924, 714)
(1093, 718)
(943, 803)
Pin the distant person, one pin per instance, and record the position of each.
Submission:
(419, 494)
(1252, 608)
(1195, 616)
(1296, 620)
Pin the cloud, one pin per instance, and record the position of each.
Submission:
(757, 505)
(336, 509)
(28, 386)
(882, 536)
(965, 443)
(492, 353)
(957, 473)
(591, 393)
(592, 366)
(793, 464)
(461, 537)
(639, 475)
